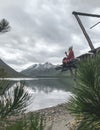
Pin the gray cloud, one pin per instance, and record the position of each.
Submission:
(42, 30)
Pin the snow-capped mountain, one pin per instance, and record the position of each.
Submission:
(46, 69)
(44, 66)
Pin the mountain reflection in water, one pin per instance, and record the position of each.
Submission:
(44, 92)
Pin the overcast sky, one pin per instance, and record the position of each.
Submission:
(42, 30)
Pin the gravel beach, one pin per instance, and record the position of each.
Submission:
(58, 118)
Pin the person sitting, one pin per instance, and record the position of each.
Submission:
(70, 56)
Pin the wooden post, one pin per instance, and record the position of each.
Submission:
(86, 14)
(83, 30)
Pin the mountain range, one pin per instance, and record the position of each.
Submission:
(36, 70)
(42, 70)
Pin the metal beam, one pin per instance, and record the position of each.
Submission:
(94, 25)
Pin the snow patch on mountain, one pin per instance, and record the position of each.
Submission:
(44, 66)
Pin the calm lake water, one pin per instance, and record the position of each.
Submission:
(45, 92)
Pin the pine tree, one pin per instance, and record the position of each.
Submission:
(85, 104)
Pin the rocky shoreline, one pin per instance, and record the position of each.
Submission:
(58, 118)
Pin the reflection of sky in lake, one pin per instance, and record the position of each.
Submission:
(42, 100)
(45, 92)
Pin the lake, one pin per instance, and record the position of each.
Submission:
(44, 92)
